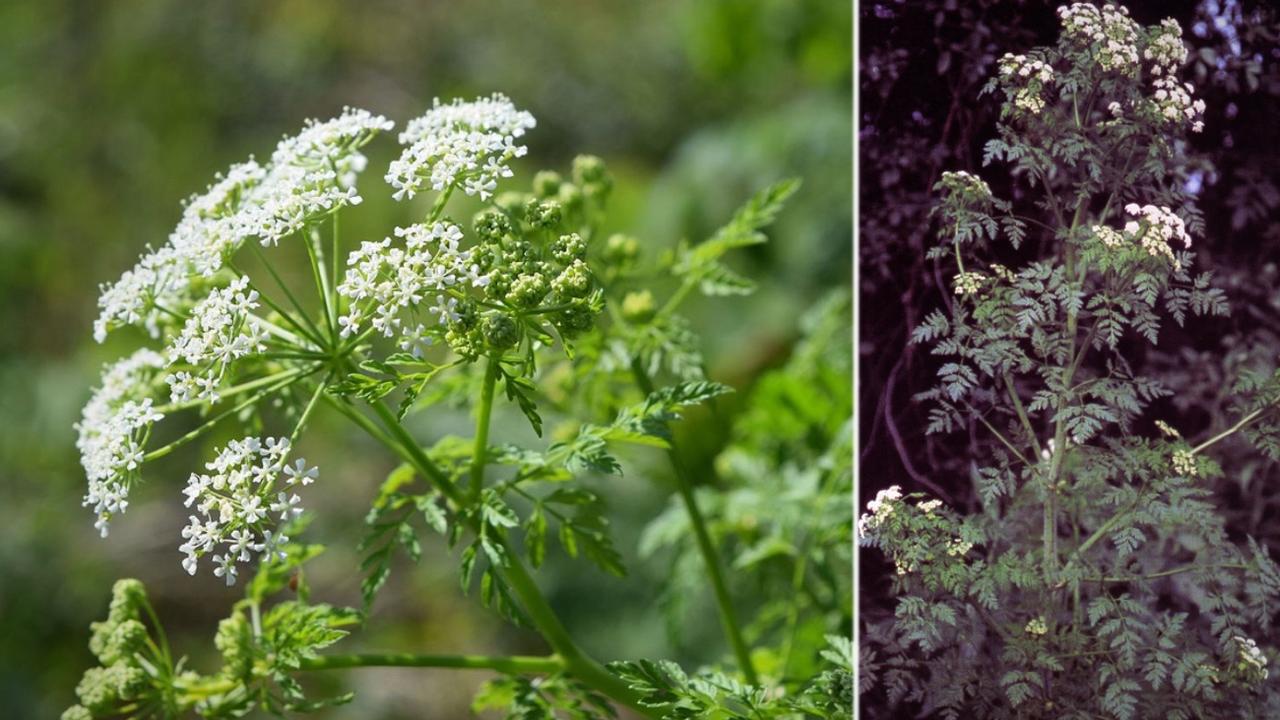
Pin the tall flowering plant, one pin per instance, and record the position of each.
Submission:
(1096, 579)
(528, 299)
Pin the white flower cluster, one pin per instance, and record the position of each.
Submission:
(383, 281)
(1109, 33)
(1156, 227)
(1036, 626)
(210, 228)
(1167, 429)
(235, 501)
(968, 183)
(220, 330)
(1251, 657)
(879, 510)
(1184, 462)
(958, 547)
(312, 174)
(1172, 101)
(309, 176)
(112, 432)
(1165, 49)
(968, 283)
(462, 144)
(1109, 236)
(1028, 79)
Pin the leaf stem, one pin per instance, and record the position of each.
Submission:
(710, 555)
(515, 664)
(284, 381)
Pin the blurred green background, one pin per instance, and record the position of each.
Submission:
(111, 112)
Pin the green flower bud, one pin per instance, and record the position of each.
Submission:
(574, 281)
(500, 331)
(466, 343)
(543, 215)
(621, 249)
(570, 197)
(546, 183)
(512, 203)
(589, 169)
(576, 319)
(527, 290)
(128, 681)
(234, 641)
(77, 712)
(592, 177)
(100, 639)
(127, 598)
(638, 307)
(126, 639)
(96, 690)
(569, 248)
(491, 225)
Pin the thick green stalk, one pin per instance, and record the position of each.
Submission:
(706, 546)
(516, 664)
(481, 450)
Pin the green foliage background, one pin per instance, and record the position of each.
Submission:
(110, 113)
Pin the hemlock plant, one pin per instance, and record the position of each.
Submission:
(1096, 580)
(523, 304)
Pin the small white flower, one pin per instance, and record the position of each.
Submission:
(299, 472)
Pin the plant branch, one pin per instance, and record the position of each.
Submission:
(515, 664)
(710, 555)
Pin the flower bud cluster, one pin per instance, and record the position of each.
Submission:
(242, 505)
(118, 642)
(220, 330)
(1251, 660)
(1025, 81)
(1108, 32)
(112, 431)
(1167, 429)
(462, 144)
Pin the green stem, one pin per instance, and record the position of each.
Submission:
(322, 284)
(311, 404)
(229, 392)
(1173, 571)
(286, 380)
(1022, 414)
(314, 332)
(333, 283)
(516, 664)
(710, 556)
(481, 450)
(437, 208)
(1244, 422)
